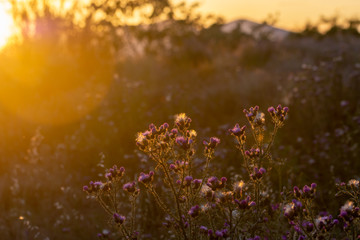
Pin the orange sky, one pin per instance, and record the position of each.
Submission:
(292, 14)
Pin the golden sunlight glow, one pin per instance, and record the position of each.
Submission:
(289, 14)
(6, 25)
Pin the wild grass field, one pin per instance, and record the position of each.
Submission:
(175, 128)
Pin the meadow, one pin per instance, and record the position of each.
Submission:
(176, 130)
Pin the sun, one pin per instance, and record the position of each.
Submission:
(6, 25)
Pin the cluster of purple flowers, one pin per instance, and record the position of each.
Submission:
(245, 203)
(279, 114)
(211, 145)
(214, 235)
(258, 173)
(146, 178)
(306, 192)
(178, 166)
(255, 118)
(251, 113)
(189, 182)
(93, 188)
(129, 187)
(325, 222)
(115, 173)
(253, 153)
(162, 133)
(349, 212)
(194, 211)
(184, 142)
(119, 219)
(214, 183)
(239, 133)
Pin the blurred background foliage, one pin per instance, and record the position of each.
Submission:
(80, 79)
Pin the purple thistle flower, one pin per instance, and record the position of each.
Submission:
(118, 218)
(237, 131)
(262, 170)
(203, 229)
(174, 131)
(258, 173)
(146, 178)
(306, 189)
(129, 187)
(308, 226)
(98, 184)
(172, 167)
(187, 180)
(214, 183)
(271, 110)
(109, 176)
(183, 142)
(194, 211)
(214, 141)
(197, 183)
(218, 233)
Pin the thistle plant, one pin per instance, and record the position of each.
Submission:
(108, 193)
(349, 212)
(195, 204)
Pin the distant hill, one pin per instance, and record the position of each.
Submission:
(256, 29)
(136, 47)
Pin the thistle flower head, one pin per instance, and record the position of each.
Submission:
(129, 187)
(196, 183)
(353, 183)
(245, 203)
(203, 229)
(146, 178)
(183, 142)
(119, 219)
(187, 180)
(325, 222)
(251, 113)
(258, 173)
(253, 153)
(214, 141)
(115, 173)
(182, 121)
(194, 211)
(214, 183)
(308, 192)
(309, 227)
(279, 114)
(237, 130)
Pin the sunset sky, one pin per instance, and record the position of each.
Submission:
(292, 14)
